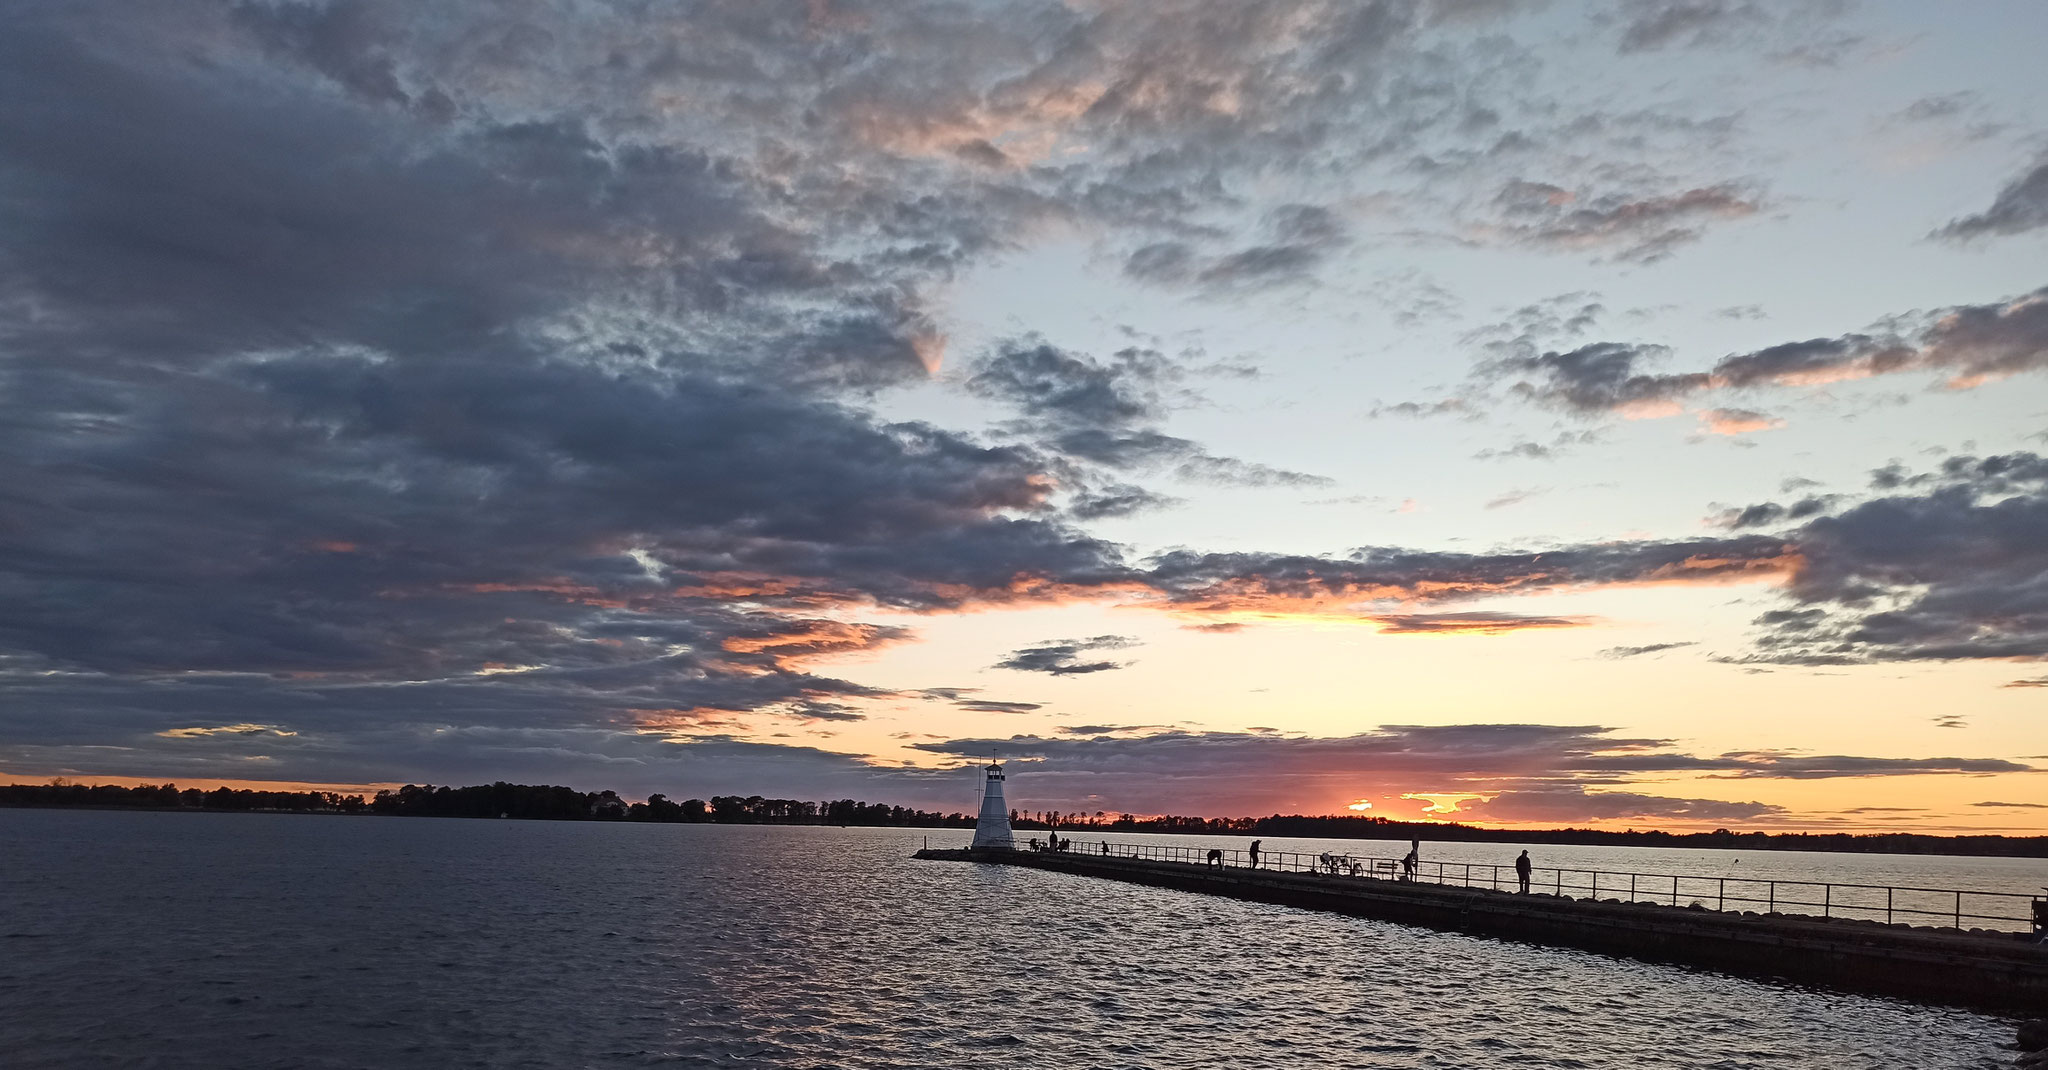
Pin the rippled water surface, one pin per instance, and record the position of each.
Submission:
(229, 940)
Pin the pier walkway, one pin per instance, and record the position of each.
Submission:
(1998, 971)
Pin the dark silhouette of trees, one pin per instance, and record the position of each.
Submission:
(169, 797)
(500, 799)
(557, 803)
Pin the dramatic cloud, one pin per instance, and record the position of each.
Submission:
(461, 391)
(2018, 208)
(1062, 658)
(1957, 571)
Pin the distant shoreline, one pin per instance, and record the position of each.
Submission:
(554, 803)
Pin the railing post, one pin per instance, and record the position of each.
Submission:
(1595, 893)
(1720, 898)
(1959, 909)
(1887, 906)
(1774, 897)
(1560, 884)
(1631, 887)
(1827, 900)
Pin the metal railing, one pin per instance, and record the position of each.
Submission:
(2002, 911)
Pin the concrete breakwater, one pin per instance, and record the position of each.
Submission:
(1998, 972)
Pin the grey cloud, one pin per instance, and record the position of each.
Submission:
(1566, 804)
(2020, 207)
(1619, 652)
(1227, 580)
(1301, 238)
(1827, 767)
(1560, 444)
(1640, 227)
(1939, 106)
(423, 383)
(2015, 805)
(1044, 380)
(989, 706)
(1946, 566)
(1094, 411)
(1477, 623)
(1766, 513)
(1973, 343)
(1598, 378)
(1117, 500)
(1663, 23)
(1816, 359)
(1514, 497)
(1063, 657)
(1234, 771)
(1447, 406)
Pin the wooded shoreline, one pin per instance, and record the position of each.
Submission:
(555, 803)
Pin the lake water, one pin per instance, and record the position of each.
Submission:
(232, 940)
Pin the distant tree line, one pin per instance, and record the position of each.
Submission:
(534, 802)
(523, 801)
(171, 797)
(1354, 827)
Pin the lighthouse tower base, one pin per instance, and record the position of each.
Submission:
(992, 827)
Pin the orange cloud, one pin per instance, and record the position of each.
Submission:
(1737, 421)
(797, 643)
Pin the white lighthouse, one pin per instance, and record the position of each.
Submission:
(992, 828)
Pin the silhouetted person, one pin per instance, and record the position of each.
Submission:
(1105, 847)
(1411, 860)
(1215, 857)
(1255, 854)
(1522, 868)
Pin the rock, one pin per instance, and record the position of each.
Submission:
(2034, 1035)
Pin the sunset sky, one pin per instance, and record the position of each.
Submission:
(1527, 413)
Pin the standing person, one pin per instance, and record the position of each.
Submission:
(1255, 854)
(1522, 871)
(1411, 860)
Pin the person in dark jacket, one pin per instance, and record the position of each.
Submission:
(1522, 868)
